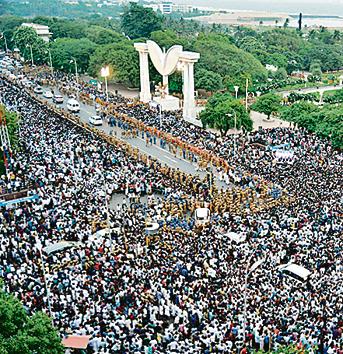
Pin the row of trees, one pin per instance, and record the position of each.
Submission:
(325, 120)
(229, 55)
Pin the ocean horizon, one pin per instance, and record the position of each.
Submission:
(320, 8)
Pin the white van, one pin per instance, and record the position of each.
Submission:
(73, 105)
(235, 237)
(202, 216)
(295, 271)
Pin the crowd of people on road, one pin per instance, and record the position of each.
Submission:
(181, 290)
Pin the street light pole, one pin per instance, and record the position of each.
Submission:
(105, 72)
(76, 75)
(50, 59)
(234, 141)
(30, 46)
(246, 93)
(234, 135)
(236, 91)
(160, 112)
(106, 88)
(4, 37)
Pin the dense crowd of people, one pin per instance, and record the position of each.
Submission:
(181, 290)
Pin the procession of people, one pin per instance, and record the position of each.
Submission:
(185, 289)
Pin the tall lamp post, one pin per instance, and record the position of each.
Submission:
(246, 93)
(30, 46)
(236, 91)
(50, 61)
(160, 114)
(234, 136)
(105, 72)
(2, 36)
(248, 270)
(39, 247)
(73, 60)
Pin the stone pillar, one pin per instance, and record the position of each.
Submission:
(165, 83)
(191, 99)
(144, 95)
(187, 59)
(185, 76)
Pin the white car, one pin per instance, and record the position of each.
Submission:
(95, 120)
(27, 83)
(73, 106)
(38, 90)
(48, 94)
(57, 99)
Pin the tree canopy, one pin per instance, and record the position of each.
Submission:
(267, 104)
(326, 121)
(63, 50)
(24, 334)
(138, 21)
(26, 38)
(221, 112)
(123, 61)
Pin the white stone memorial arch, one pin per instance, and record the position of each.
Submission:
(166, 63)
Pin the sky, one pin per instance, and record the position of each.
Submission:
(315, 7)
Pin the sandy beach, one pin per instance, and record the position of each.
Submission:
(266, 18)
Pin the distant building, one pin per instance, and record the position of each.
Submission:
(41, 30)
(167, 7)
(271, 68)
(182, 8)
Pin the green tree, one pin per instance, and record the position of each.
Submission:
(167, 38)
(296, 110)
(217, 54)
(24, 334)
(267, 104)
(63, 50)
(280, 74)
(138, 21)
(208, 80)
(100, 35)
(8, 25)
(221, 112)
(26, 37)
(316, 71)
(123, 60)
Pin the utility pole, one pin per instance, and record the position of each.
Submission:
(50, 59)
(246, 93)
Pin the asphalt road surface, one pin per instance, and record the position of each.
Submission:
(154, 150)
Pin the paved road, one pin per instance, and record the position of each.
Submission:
(155, 151)
(312, 89)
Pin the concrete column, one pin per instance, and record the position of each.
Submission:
(185, 90)
(191, 99)
(166, 84)
(187, 59)
(144, 95)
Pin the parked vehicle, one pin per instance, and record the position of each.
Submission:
(57, 99)
(202, 216)
(38, 90)
(73, 105)
(295, 271)
(95, 120)
(48, 94)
